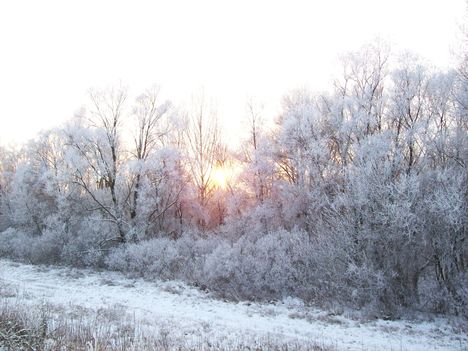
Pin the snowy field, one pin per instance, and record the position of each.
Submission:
(193, 316)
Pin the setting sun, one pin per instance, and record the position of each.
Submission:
(221, 176)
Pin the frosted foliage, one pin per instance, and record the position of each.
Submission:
(356, 197)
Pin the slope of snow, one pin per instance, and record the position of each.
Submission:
(193, 312)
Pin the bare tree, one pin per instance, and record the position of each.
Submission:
(409, 107)
(100, 151)
(149, 113)
(252, 151)
(203, 140)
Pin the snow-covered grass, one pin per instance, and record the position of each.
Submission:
(106, 310)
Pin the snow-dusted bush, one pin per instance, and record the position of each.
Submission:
(89, 248)
(54, 246)
(25, 247)
(274, 265)
(164, 258)
(152, 258)
(14, 244)
(444, 212)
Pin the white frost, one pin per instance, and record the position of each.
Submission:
(196, 313)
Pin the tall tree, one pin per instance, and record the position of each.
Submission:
(99, 156)
(149, 113)
(203, 143)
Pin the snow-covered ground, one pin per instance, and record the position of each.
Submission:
(194, 314)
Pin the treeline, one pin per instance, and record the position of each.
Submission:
(356, 197)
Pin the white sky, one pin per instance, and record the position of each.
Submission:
(52, 52)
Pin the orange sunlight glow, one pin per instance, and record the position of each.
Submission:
(224, 176)
(221, 176)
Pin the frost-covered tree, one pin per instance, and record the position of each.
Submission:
(150, 133)
(202, 153)
(96, 154)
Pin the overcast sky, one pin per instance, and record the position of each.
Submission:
(52, 51)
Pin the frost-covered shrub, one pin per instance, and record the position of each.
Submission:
(163, 258)
(21, 246)
(152, 258)
(55, 245)
(193, 249)
(14, 244)
(275, 265)
(91, 245)
(444, 212)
